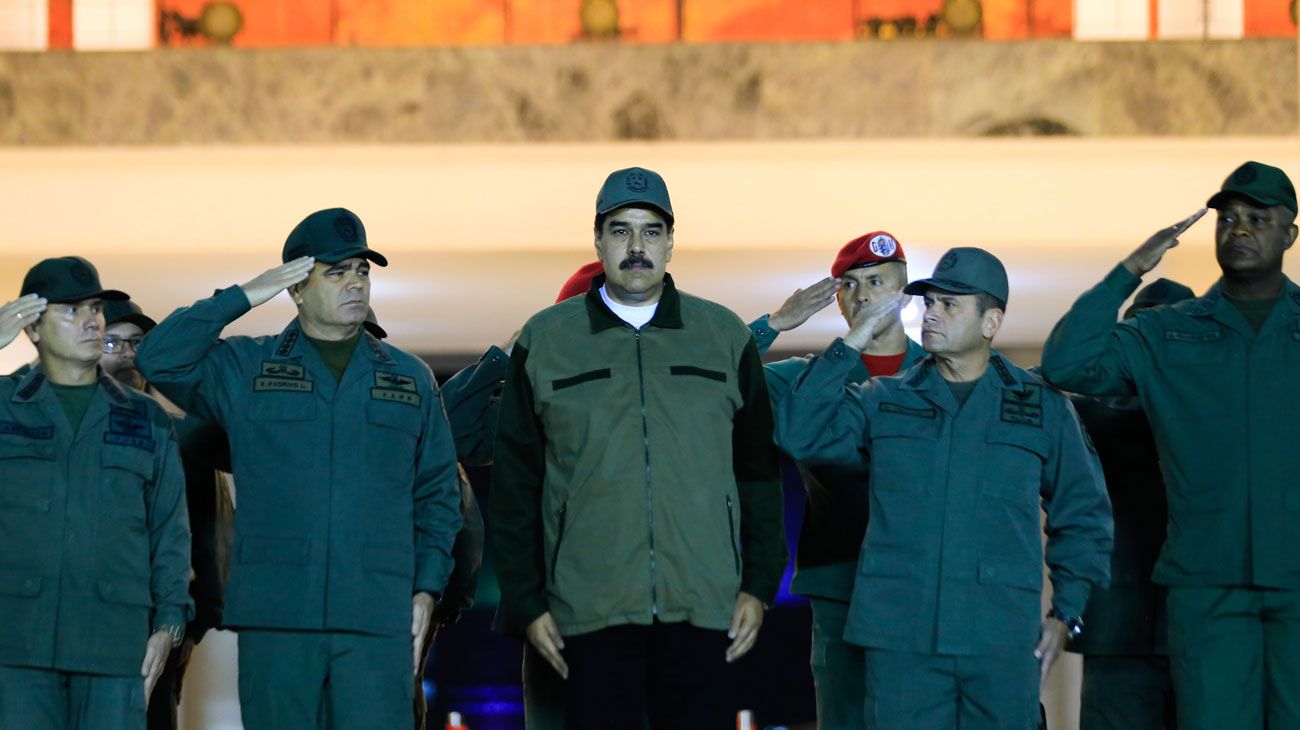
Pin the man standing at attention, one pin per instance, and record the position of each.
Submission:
(349, 499)
(1217, 376)
(964, 448)
(636, 496)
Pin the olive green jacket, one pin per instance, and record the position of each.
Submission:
(94, 537)
(635, 476)
(349, 498)
(952, 562)
(1222, 400)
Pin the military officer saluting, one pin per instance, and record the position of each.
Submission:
(94, 537)
(349, 499)
(1216, 375)
(964, 448)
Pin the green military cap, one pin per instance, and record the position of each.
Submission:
(966, 270)
(1262, 184)
(372, 324)
(67, 279)
(634, 186)
(127, 311)
(1158, 293)
(330, 236)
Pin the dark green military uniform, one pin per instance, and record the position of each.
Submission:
(830, 538)
(1222, 400)
(94, 553)
(327, 472)
(473, 397)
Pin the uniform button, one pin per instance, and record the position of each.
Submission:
(29, 584)
(992, 572)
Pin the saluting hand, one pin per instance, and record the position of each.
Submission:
(803, 304)
(868, 317)
(273, 281)
(1148, 255)
(544, 635)
(155, 658)
(421, 617)
(1051, 642)
(19, 313)
(746, 619)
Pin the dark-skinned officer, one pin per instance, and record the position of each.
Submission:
(205, 453)
(349, 499)
(964, 448)
(1126, 682)
(94, 539)
(1216, 376)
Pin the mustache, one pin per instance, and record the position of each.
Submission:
(634, 260)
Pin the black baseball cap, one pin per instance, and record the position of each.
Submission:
(330, 236)
(1258, 183)
(67, 279)
(631, 187)
(127, 311)
(966, 270)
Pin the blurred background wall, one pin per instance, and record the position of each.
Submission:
(176, 142)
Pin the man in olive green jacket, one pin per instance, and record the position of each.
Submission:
(964, 448)
(94, 539)
(835, 515)
(349, 498)
(633, 460)
(1217, 378)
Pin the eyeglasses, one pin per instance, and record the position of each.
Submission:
(114, 344)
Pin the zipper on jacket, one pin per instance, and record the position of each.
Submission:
(731, 534)
(649, 495)
(561, 513)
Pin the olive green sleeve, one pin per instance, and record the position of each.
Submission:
(169, 532)
(757, 467)
(1088, 351)
(1079, 528)
(821, 418)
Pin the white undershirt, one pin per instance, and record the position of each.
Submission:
(635, 316)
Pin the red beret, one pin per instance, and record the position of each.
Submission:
(874, 248)
(580, 282)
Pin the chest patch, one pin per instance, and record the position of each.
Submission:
(1023, 406)
(395, 396)
(18, 429)
(395, 381)
(907, 411)
(129, 428)
(283, 370)
(282, 376)
(1176, 336)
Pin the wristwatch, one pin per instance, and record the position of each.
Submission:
(1073, 624)
(176, 631)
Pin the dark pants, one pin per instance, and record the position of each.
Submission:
(1127, 693)
(1235, 657)
(676, 673)
(908, 691)
(44, 699)
(545, 693)
(291, 680)
(838, 668)
(167, 693)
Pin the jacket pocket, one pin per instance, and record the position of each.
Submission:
(902, 448)
(22, 585)
(590, 375)
(125, 591)
(1014, 466)
(731, 527)
(282, 407)
(717, 375)
(389, 560)
(29, 468)
(561, 516)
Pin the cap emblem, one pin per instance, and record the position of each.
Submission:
(1245, 175)
(883, 246)
(346, 228)
(636, 182)
(81, 274)
(948, 261)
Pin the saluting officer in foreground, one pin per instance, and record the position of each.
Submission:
(1217, 376)
(94, 537)
(349, 500)
(964, 449)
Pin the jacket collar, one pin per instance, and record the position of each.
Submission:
(925, 380)
(110, 394)
(291, 345)
(668, 315)
(1215, 305)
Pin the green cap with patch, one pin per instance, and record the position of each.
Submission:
(1258, 183)
(330, 236)
(1159, 293)
(127, 311)
(966, 270)
(632, 187)
(66, 280)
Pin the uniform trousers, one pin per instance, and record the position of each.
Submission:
(907, 691)
(838, 668)
(46, 699)
(1127, 693)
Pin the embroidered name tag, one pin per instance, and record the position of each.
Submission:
(904, 410)
(396, 396)
(395, 381)
(18, 429)
(129, 428)
(1023, 406)
(267, 382)
(1192, 336)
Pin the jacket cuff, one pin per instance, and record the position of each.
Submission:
(1121, 282)
(230, 303)
(1071, 597)
(764, 335)
(170, 616)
